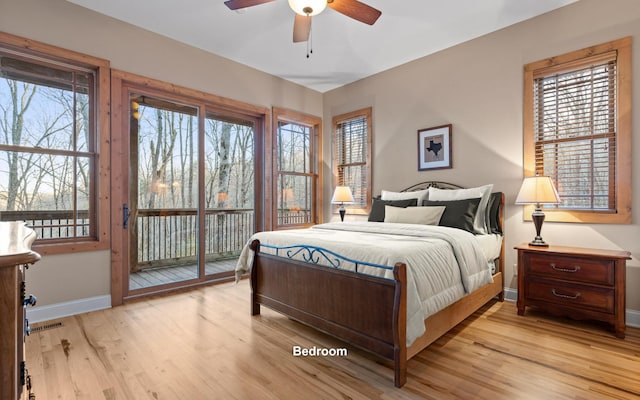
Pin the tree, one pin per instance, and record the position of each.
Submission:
(21, 95)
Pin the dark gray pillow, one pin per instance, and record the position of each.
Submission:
(458, 213)
(494, 213)
(377, 208)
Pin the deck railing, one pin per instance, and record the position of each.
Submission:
(52, 224)
(164, 236)
(171, 236)
(294, 217)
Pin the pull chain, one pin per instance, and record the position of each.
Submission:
(309, 40)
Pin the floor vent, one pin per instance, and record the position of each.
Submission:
(45, 327)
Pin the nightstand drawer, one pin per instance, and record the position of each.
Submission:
(571, 268)
(593, 298)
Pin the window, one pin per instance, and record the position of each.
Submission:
(297, 169)
(578, 131)
(50, 164)
(352, 157)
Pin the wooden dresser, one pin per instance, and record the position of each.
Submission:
(15, 256)
(577, 282)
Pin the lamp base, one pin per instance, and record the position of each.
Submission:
(538, 218)
(342, 212)
(538, 242)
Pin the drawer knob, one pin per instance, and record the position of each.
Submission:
(565, 296)
(574, 269)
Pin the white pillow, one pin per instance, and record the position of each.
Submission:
(481, 221)
(418, 194)
(414, 215)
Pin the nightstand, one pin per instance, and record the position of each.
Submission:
(576, 282)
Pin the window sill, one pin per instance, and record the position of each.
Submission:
(70, 247)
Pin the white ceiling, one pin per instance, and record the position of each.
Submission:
(344, 50)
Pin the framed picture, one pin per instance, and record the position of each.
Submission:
(434, 148)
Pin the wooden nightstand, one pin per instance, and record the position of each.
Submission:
(572, 281)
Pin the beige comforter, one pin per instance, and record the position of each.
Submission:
(443, 264)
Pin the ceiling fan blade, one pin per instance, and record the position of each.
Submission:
(301, 28)
(356, 10)
(238, 4)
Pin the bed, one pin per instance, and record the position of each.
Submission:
(361, 297)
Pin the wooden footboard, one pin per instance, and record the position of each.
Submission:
(365, 311)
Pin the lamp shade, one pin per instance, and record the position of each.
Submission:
(342, 194)
(308, 7)
(537, 190)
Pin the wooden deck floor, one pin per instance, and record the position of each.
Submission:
(161, 276)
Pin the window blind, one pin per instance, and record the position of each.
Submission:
(575, 132)
(351, 158)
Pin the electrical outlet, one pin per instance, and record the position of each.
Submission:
(515, 269)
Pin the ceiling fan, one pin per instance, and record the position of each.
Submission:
(305, 9)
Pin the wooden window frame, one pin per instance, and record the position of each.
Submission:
(622, 183)
(315, 123)
(366, 113)
(101, 176)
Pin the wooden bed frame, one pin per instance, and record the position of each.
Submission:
(365, 311)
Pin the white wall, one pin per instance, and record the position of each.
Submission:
(477, 87)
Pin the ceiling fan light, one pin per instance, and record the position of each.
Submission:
(302, 6)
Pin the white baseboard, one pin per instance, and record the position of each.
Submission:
(510, 294)
(67, 308)
(632, 316)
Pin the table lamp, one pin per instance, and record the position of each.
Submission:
(342, 195)
(537, 190)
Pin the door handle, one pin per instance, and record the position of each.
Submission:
(125, 216)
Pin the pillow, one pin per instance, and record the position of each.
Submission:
(413, 215)
(481, 224)
(493, 210)
(421, 195)
(377, 207)
(458, 213)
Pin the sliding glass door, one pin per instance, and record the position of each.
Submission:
(191, 193)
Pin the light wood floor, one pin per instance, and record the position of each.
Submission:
(203, 344)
